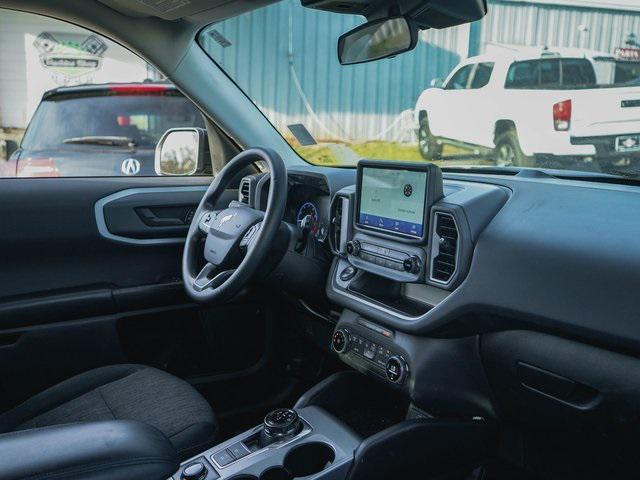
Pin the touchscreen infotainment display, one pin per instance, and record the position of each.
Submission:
(393, 199)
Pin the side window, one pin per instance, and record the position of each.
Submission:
(460, 79)
(577, 73)
(522, 75)
(482, 75)
(81, 105)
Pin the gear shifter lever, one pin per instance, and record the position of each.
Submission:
(279, 425)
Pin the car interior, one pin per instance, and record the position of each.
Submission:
(269, 322)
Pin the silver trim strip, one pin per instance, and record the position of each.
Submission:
(345, 218)
(102, 224)
(435, 247)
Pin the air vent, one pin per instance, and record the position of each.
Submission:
(245, 191)
(339, 223)
(444, 252)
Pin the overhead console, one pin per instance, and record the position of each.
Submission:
(403, 238)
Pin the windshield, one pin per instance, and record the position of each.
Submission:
(81, 121)
(506, 91)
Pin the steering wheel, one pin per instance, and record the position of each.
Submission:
(232, 232)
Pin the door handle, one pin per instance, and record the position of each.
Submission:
(151, 219)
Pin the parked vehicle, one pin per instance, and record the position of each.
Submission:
(99, 130)
(534, 105)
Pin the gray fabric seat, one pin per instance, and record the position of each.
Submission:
(122, 392)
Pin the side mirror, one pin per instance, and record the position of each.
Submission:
(377, 39)
(181, 152)
(437, 83)
(7, 147)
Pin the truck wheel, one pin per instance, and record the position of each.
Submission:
(429, 148)
(508, 153)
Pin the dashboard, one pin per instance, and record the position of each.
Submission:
(514, 298)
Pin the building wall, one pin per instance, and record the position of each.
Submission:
(24, 77)
(529, 23)
(284, 57)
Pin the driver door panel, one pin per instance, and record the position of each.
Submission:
(73, 298)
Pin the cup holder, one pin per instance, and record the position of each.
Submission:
(308, 459)
(276, 473)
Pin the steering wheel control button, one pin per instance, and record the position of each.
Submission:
(340, 341)
(396, 369)
(205, 222)
(195, 471)
(222, 458)
(348, 273)
(246, 239)
(238, 450)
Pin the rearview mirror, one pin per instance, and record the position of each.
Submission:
(181, 151)
(437, 83)
(378, 39)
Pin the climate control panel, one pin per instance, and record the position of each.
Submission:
(374, 356)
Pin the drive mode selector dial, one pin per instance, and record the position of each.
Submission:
(396, 369)
(340, 341)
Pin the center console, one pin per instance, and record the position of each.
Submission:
(305, 442)
(347, 427)
(403, 241)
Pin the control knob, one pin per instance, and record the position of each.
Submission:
(279, 424)
(195, 471)
(396, 369)
(412, 264)
(353, 248)
(340, 341)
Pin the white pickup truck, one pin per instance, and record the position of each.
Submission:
(535, 106)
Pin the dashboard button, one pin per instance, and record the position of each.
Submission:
(412, 264)
(396, 369)
(222, 458)
(348, 273)
(353, 248)
(238, 450)
(340, 341)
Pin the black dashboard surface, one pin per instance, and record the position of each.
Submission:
(560, 256)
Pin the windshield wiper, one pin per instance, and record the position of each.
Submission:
(107, 141)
